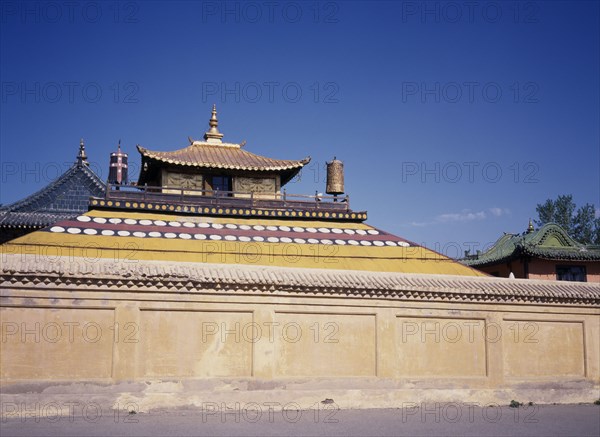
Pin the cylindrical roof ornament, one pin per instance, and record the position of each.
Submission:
(117, 173)
(335, 177)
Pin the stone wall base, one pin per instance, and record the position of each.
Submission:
(246, 396)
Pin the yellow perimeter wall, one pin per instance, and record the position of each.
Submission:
(80, 336)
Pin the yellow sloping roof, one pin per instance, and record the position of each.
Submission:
(222, 156)
(129, 237)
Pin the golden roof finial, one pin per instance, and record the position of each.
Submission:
(530, 227)
(81, 156)
(213, 135)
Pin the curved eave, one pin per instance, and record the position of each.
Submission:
(32, 220)
(477, 263)
(285, 165)
(562, 255)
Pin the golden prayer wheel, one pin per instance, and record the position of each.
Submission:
(335, 177)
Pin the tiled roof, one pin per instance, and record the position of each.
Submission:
(224, 156)
(297, 243)
(66, 197)
(549, 242)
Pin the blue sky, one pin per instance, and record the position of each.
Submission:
(453, 119)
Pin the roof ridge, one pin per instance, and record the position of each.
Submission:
(547, 229)
(92, 175)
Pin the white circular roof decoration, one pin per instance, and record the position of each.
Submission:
(139, 234)
(349, 231)
(353, 242)
(361, 232)
(115, 221)
(324, 230)
(154, 234)
(170, 235)
(273, 240)
(215, 237)
(258, 238)
(403, 244)
(100, 220)
(284, 228)
(311, 230)
(258, 228)
(245, 227)
(366, 243)
(372, 232)
(84, 218)
(107, 232)
(245, 239)
(130, 222)
(175, 224)
(390, 243)
(340, 242)
(285, 240)
(337, 231)
(189, 224)
(145, 222)
(231, 226)
(298, 229)
(160, 223)
(74, 231)
(90, 231)
(300, 240)
(57, 229)
(185, 236)
(379, 243)
(204, 225)
(230, 237)
(326, 241)
(200, 237)
(272, 228)
(313, 241)
(124, 233)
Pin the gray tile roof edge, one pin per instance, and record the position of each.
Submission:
(159, 273)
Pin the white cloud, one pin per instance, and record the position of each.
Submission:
(497, 212)
(419, 224)
(466, 215)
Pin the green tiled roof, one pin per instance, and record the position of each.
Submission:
(549, 242)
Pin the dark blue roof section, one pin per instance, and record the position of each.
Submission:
(67, 196)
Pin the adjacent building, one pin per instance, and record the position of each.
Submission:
(62, 199)
(547, 253)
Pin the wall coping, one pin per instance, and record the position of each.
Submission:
(29, 270)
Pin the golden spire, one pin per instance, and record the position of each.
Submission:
(81, 157)
(213, 135)
(530, 227)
